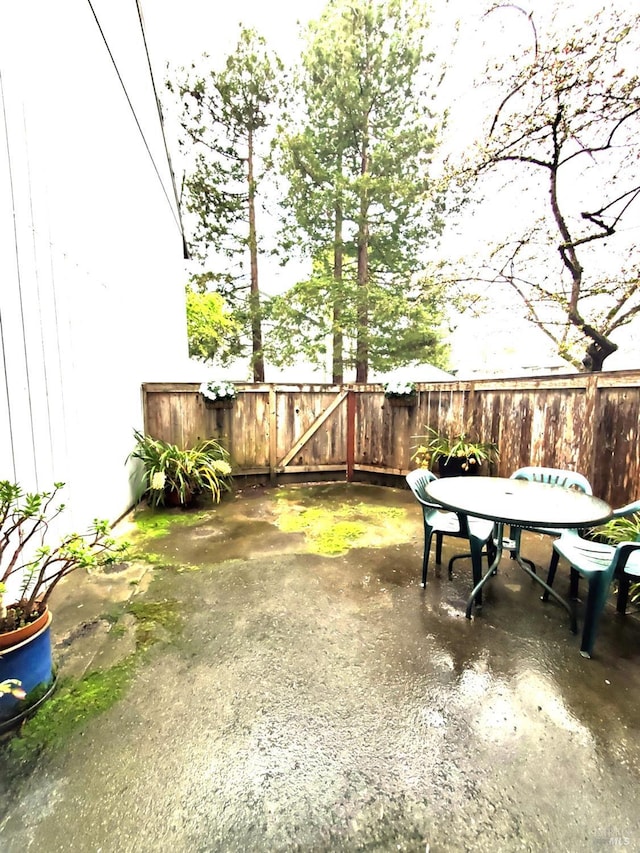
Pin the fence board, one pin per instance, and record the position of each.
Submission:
(584, 422)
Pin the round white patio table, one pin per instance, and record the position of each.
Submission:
(520, 504)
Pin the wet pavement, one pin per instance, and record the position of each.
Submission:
(314, 698)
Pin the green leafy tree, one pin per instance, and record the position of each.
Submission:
(567, 120)
(359, 189)
(214, 333)
(224, 116)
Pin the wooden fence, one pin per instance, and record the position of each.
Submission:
(583, 422)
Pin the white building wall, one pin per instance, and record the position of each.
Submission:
(91, 268)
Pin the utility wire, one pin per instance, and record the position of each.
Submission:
(146, 144)
(164, 137)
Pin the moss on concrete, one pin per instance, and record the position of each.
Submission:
(155, 621)
(145, 527)
(76, 702)
(155, 523)
(332, 519)
(339, 537)
(361, 524)
(71, 706)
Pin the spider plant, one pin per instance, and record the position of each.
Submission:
(435, 446)
(626, 529)
(173, 475)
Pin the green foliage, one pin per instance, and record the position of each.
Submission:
(359, 195)
(626, 529)
(619, 530)
(25, 520)
(184, 474)
(399, 389)
(223, 112)
(213, 331)
(224, 116)
(436, 445)
(71, 707)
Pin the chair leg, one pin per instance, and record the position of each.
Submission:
(491, 552)
(596, 599)
(573, 583)
(438, 547)
(428, 533)
(551, 575)
(623, 594)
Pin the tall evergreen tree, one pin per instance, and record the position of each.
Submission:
(359, 184)
(224, 114)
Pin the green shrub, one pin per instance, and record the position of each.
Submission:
(436, 445)
(172, 475)
(623, 530)
(37, 566)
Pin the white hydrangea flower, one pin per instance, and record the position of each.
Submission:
(158, 481)
(222, 467)
(214, 390)
(399, 389)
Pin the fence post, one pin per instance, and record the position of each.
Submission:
(351, 433)
(273, 435)
(591, 418)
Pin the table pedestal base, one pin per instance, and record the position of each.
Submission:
(526, 565)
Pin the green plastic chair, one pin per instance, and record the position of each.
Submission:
(599, 564)
(556, 477)
(442, 522)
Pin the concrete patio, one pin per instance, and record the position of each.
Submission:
(309, 696)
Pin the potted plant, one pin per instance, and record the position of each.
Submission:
(218, 394)
(457, 455)
(616, 531)
(400, 393)
(177, 477)
(30, 569)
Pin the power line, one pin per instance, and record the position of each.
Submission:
(164, 137)
(146, 144)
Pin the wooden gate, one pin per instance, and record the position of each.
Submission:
(270, 430)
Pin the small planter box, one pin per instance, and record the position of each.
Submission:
(405, 400)
(219, 404)
(453, 468)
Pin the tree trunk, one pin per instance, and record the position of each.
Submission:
(338, 337)
(598, 350)
(362, 342)
(600, 347)
(254, 299)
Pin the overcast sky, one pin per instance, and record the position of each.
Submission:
(180, 32)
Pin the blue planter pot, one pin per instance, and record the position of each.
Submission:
(31, 662)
